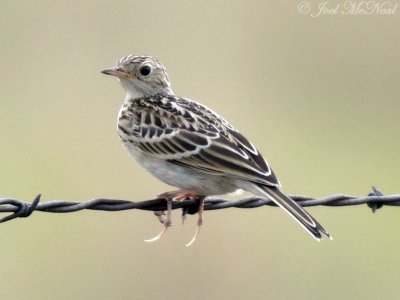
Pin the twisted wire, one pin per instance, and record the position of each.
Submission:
(21, 209)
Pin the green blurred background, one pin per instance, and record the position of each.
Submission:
(318, 96)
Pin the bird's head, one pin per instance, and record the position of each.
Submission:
(141, 76)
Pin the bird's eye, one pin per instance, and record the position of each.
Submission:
(145, 70)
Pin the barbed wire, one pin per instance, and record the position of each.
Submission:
(21, 209)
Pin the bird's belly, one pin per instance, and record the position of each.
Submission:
(203, 182)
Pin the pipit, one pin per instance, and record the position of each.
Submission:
(187, 145)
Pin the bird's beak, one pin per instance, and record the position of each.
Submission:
(115, 71)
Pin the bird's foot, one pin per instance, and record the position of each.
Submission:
(160, 215)
(179, 195)
(167, 223)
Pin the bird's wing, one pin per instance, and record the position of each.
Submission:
(229, 158)
(196, 137)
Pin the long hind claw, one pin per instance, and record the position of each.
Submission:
(194, 237)
(199, 221)
(157, 237)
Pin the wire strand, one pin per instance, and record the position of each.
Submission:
(21, 209)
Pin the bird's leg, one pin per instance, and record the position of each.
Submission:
(199, 220)
(179, 195)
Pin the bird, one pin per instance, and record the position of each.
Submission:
(189, 146)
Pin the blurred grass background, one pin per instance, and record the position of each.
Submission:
(318, 96)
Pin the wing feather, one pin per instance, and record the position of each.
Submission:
(200, 139)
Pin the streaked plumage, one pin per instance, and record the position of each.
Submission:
(187, 145)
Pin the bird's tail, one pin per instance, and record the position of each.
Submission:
(295, 211)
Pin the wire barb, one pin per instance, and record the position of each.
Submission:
(23, 209)
(20, 209)
(375, 205)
